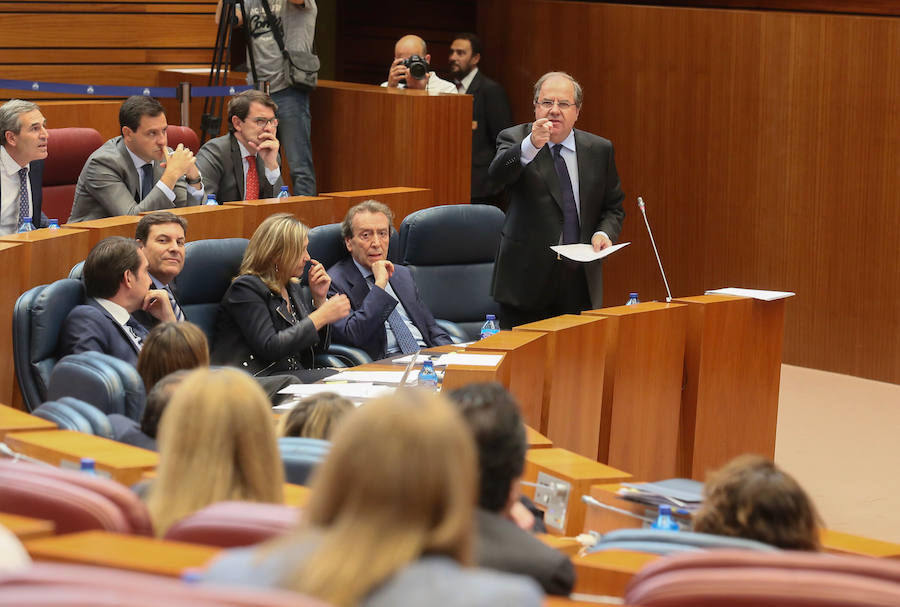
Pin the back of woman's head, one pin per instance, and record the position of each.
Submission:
(169, 347)
(217, 443)
(315, 416)
(749, 497)
(399, 482)
(275, 250)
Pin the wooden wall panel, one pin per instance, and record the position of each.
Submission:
(765, 144)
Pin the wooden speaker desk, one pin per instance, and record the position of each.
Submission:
(305, 208)
(732, 368)
(573, 380)
(642, 387)
(522, 371)
(15, 420)
(98, 229)
(119, 551)
(576, 471)
(65, 448)
(608, 572)
(208, 221)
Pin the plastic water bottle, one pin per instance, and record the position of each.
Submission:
(211, 199)
(664, 521)
(26, 226)
(427, 377)
(54, 224)
(284, 192)
(87, 466)
(632, 299)
(490, 326)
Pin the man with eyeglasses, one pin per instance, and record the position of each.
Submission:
(243, 165)
(563, 188)
(388, 317)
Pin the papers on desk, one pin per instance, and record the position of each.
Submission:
(684, 494)
(455, 358)
(356, 392)
(375, 377)
(754, 293)
(585, 252)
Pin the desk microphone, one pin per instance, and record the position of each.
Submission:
(653, 242)
(587, 499)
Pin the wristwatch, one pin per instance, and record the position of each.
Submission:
(194, 181)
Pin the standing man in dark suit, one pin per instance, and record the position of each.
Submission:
(563, 188)
(117, 285)
(136, 171)
(161, 236)
(501, 541)
(23, 147)
(490, 114)
(375, 286)
(243, 165)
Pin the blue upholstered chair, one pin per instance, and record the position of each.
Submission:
(301, 456)
(70, 413)
(450, 251)
(38, 318)
(209, 267)
(656, 541)
(109, 384)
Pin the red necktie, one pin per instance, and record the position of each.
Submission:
(252, 190)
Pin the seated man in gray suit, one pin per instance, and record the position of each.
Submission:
(501, 543)
(136, 171)
(117, 285)
(233, 165)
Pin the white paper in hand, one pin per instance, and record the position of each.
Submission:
(585, 252)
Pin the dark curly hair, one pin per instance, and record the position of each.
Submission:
(749, 497)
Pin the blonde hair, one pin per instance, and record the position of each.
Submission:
(400, 481)
(170, 347)
(751, 498)
(314, 416)
(275, 249)
(216, 444)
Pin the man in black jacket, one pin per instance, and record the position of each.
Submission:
(490, 114)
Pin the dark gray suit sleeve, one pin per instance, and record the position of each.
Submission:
(507, 166)
(612, 215)
(209, 163)
(104, 182)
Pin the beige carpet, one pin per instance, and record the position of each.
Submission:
(840, 438)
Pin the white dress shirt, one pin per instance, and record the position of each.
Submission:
(9, 188)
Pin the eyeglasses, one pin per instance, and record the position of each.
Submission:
(547, 104)
(368, 235)
(264, 122)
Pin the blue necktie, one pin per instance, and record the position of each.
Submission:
(571, 227)
(24, 207)
(405, 339)
(137, 330)
(176, 309)
(146, 181)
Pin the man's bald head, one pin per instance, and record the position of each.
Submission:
(410, 45)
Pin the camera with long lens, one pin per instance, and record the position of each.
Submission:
(417, 66)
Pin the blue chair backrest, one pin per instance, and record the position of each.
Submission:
(77, 271)
(301, 456)
(667, 542)
(209, 267)
(450, 251)
(38, 318)
(73, 414)
(107, 383)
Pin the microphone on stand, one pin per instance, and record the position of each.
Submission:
(640, 202)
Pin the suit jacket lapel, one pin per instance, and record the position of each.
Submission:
(586, 180)
(122, 330)
(359, 288)
(237, 166)
(543, 162)
(132, 179)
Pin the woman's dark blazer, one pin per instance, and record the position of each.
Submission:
(255, 331)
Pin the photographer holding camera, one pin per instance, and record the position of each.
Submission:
(410, 68)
